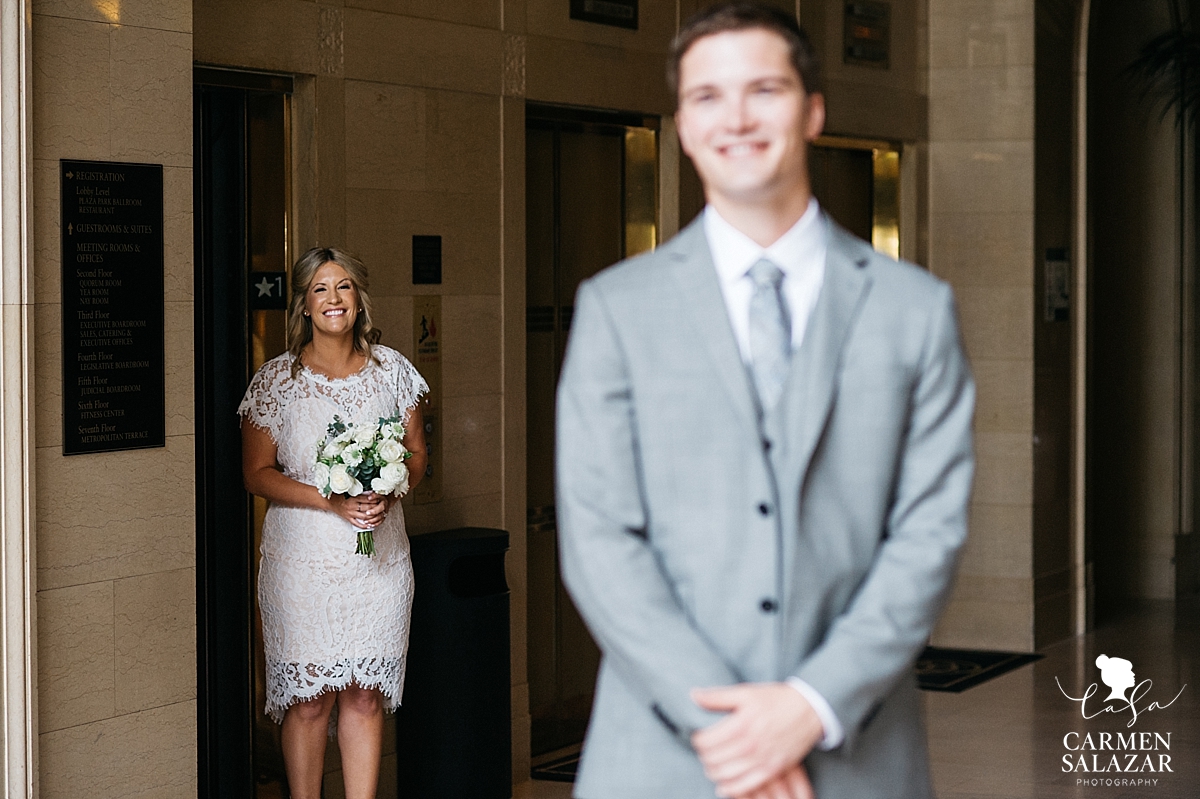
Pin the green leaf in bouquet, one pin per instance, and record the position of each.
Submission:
(336, 427)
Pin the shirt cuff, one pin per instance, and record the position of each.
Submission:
(834, 734)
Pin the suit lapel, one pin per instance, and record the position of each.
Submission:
(704, 305)
(812, 383)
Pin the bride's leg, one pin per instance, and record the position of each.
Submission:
(305, 730)
(360, 738)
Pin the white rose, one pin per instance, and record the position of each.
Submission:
(397, 475)
(364, 436)
(355, 489)
(346, 436)
(333, 449)
(382, 487)
(321, 475)
(391, 451)
(340, 481)
(394, 473)
(352, 456)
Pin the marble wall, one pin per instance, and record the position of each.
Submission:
(116, 606)
(981, 221)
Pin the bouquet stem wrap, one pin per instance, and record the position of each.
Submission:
(366, 543)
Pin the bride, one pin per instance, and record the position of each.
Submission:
(335, 623)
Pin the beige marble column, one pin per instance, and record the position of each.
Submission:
(18, 748)
(981, 228)
(116, 553)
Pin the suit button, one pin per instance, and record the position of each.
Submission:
(766, 445)
(764, 509)
(769, 606)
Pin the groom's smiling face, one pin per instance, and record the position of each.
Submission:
(745, 118)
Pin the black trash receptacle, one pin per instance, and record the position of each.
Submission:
(453, 728)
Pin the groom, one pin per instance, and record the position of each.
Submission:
(764, 463)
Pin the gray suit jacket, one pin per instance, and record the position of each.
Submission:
(705, 545)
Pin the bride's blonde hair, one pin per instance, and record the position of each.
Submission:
(299, 329)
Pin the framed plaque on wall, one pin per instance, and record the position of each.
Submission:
(112, 306)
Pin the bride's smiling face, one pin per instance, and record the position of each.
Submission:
(332, 301)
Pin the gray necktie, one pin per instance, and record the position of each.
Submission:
(770, 333)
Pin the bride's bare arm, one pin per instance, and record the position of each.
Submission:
(414, 442)
(262, 476)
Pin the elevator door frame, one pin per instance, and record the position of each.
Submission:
(225, 620)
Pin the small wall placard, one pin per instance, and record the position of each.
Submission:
(867, 38)
(112, 306)
(268, 291)
(427, 260)
(1058, 285)
(619, 13)
(427, 357)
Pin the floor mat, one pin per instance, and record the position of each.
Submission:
(956, 670)
(560, 769)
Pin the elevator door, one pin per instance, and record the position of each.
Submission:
(241, 189)
(591, 182)
(858, 184)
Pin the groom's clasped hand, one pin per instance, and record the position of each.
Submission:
(755, 751)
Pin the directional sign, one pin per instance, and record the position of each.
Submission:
(113, 309)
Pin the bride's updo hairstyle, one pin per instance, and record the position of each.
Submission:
(299, 329)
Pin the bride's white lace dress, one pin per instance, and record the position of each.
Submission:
(330, 617)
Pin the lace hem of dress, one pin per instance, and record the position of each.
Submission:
(290, 683)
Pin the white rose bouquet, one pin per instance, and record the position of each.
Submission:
(352, 458)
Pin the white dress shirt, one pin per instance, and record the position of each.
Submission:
(800, 254)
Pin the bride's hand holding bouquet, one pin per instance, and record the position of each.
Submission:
(366, 511)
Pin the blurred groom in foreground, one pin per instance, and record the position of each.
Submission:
(764, 463)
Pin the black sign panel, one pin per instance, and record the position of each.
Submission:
(112, 306)
(427, 260)
(268, 291)
(620, 13)
(867, 30)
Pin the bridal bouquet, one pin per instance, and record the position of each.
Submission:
(352, 458)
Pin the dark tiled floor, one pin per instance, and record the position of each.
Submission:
(1004, 738)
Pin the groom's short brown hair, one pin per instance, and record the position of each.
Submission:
(744, 15)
